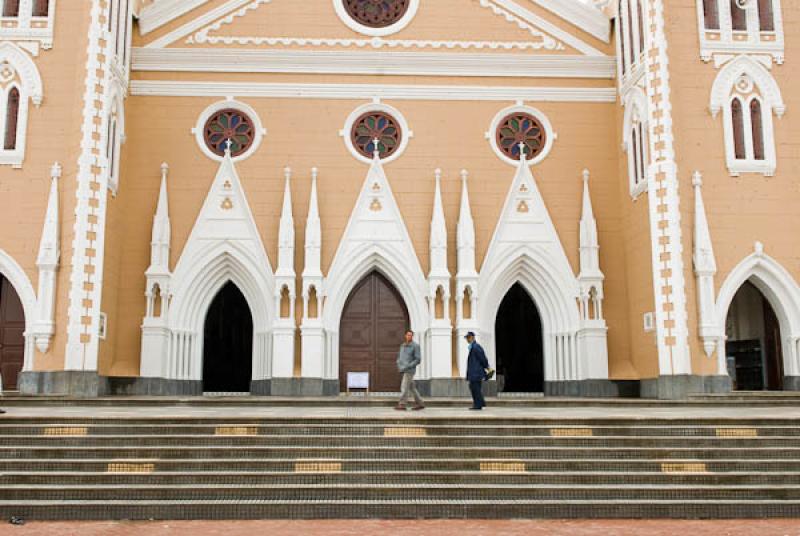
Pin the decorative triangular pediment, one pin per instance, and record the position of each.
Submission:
(491, 26)
(225, 217)
(525, 225)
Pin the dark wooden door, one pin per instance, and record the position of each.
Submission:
(12, 340)
(371, 330)
(773, 351)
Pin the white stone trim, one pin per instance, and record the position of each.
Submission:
(172, 88)
(779, 288)
(30, 89)
(196, 24)
(722, 43)
(12, 271)
(757, 83)
(407, 133)
(229, 102)
(585, 17)
(635, 103)
(163, 12)
(550, 134)
(21, 29)
(372, 62)
(405, 20)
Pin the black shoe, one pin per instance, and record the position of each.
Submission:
(476, 409)
(2, 411)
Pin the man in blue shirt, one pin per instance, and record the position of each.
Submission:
(476, 371)
(407, 360)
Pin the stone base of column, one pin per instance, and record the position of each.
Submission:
(63, 382)
(680, 387)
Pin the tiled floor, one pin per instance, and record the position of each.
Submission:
(789, 527)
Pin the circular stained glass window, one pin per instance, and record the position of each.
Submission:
(520, 127)
(376, 13)
(372, 126)
(229, 124)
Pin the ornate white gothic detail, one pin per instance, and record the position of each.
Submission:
(283, 332)
(258, 129)
(376, 106)
(47, 262)
(466, 277)
(728, 29)
(635, 140)
(525, 248)
(747, 94)
(375, 238)
(441, 332)
(17, 72)
(705, 268)
(12, 271)
(224, 246)
(312, 333)
(30, 30)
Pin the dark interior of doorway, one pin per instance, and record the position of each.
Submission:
(228, 343)
(518, 343)
(755, 363)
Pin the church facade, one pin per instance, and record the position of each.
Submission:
(244, 196)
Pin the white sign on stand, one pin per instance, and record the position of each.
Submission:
(357, 380)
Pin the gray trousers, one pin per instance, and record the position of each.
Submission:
(408, 389)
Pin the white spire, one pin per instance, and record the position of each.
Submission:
(465, 232)
(589, 246)
(438, 239)
(704, 262)
(286, 231)
(160, 240)
(313, 233)
(49, 246)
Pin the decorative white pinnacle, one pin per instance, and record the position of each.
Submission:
(228, 144)
(55, 171)
(521, 146)
(376, 153)
(697, 179)
(438, 238)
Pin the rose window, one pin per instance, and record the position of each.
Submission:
(520, 127)
(376, 126)
(229, 124)
(376, 13)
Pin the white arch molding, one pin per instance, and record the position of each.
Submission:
(30, 88)
(555, 298)
(11, 270)
(343, 278)
(781, 291)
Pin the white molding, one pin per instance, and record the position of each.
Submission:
(550, 134)
(12, 271)
(172, 88)
(635, 103)
(585, 17)
(199, 22)
(781, 291)
(405, 131)
(372, 62)
(356, 26)
(30, 89)
(229, 102)
(163, 12)
(20, 28)
(726, 42)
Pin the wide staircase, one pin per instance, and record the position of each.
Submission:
(406, 467)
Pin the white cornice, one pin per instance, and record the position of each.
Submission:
(372, 63)
(164, 11)
(587, 18)
(370, 91)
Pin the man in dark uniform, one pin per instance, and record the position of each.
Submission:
(476, 371)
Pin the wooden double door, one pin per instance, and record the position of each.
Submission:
(371, 330)
(12, 338)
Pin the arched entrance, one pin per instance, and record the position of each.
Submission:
(371, 330)
(753, 342)
(228, 343)
(518, 344)
(12, 338)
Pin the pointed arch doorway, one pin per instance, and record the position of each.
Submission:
(12, 338)
(228, 343)
(371, 330)
(519, 343)
(753, 342)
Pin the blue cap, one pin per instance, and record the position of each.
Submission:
(469, 334)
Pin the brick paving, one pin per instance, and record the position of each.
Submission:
(781, 527)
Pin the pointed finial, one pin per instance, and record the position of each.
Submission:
(697, 179)
(314, 172)
(376, 153)
(287, 172)
(758, 247)
(55, 171)
(464, 175)
(228, 144)
(586, 175)
(521, 146)
(438, 173)
(164, 168)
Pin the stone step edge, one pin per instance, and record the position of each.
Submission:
(428, 486)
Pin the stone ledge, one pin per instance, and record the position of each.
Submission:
(63, 382)
(680, 387)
